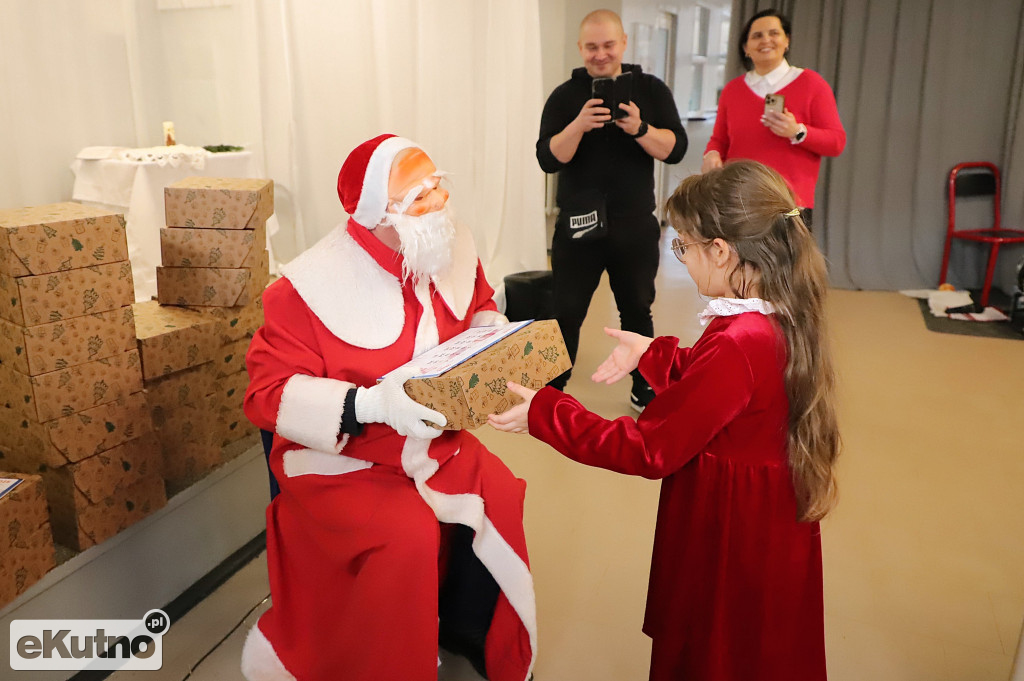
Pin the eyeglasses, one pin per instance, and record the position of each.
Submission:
(679, 247)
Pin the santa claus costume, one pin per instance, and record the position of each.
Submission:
(354, 537)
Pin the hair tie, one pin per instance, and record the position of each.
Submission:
(793, 213)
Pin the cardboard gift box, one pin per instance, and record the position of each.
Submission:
(186, 465)
(218, 202)
(66, 391)
(100, 476)
(20, 568)
(34, 350)
(42, 298)
(80, 523)
(184, 420)
(23, 510)
(230, 358)
(211, 286)
(27, 445)
(235, 323)
(229, 421)
(173, 338)
(228, 391)
(59, 236)
(188, 387)
(231, 425)
(474, 369)
(26, 540)
(185, 247)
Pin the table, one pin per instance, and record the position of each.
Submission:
(116, 179)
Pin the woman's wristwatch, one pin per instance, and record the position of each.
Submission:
(800, 135)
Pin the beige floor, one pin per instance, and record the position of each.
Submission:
(924, 557)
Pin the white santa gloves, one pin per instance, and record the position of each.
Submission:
(387, 403)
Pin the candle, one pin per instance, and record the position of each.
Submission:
(169, 134)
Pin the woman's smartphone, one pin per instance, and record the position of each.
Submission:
(773, 102)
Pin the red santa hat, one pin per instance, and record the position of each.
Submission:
(363, 180)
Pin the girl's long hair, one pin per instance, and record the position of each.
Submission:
(746, 203)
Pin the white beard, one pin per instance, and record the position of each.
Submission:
(426, 243)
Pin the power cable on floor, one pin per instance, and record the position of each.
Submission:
(226, 637)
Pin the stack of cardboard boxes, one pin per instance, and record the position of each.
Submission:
(71, 402)
(26, 542)
(193, 339)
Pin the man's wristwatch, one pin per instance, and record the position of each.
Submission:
(641, 131)
(800, 134)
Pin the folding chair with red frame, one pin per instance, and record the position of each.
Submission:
(978, 179)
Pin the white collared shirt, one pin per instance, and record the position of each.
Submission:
(773, 81)
(727, 307)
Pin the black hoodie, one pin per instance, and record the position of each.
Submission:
(608, 158)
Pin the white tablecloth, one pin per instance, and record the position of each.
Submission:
(136, 188)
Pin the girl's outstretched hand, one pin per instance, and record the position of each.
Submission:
(624, 358)
(516, 419)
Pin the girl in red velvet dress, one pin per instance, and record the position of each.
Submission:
(742, 431)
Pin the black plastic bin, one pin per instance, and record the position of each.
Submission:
(529, 295)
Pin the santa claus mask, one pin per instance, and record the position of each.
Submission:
(418, 210)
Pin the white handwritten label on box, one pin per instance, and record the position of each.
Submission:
(457, 350)
(8, 484)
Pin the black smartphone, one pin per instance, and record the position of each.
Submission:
(604, 89)
(614, 91)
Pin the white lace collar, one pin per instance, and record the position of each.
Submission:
(726, 307)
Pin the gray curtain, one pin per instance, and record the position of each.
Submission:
(921, 86)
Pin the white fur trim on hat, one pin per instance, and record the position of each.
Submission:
(373, 199)
(311, 410)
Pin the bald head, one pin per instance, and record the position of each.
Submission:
(602, 16)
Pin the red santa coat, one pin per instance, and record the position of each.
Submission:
(353, 537)
(735, 590)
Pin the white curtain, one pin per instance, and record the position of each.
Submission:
(460, 77)
(299, 83)
(63, 86)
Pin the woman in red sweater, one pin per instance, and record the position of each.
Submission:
(742, 431)
(791, 141)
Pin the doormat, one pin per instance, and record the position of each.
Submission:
(1007, 330)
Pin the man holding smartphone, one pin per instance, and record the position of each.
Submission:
(606, 185)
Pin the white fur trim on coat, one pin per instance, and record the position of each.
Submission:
(359, 301)
(260, 661)
(312, 462)
(501, 560)
(310, 412)
(488, 318)
(356, 299)
(373, 199)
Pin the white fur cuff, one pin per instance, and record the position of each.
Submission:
(311, 410)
